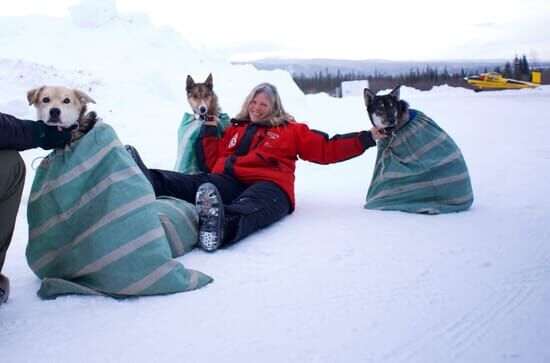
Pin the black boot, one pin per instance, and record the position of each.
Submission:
(231, 228)
(4, 288)
(135, 155)
(209, 206)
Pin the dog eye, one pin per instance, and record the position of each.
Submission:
(46, 99)
(66, 100)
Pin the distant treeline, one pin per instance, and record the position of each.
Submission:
(422, 79)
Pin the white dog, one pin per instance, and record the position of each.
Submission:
(63, 107)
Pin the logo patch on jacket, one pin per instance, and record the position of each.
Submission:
(272, 135)
(233, 141)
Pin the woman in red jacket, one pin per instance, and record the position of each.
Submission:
(251, 179)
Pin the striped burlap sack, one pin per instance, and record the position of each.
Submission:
(420, 169)
(188, 134)
(95, 226)
(180, 221)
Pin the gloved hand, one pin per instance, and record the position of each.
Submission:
(48, 137)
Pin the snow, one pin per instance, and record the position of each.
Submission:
(332, 282)
(93, 13)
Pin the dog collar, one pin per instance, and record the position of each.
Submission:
(237, 122)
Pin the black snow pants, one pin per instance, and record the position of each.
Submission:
(247, 208)
(12, 179)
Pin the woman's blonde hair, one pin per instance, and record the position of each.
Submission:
(277, 114)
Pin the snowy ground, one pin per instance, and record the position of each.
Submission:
(332, 282)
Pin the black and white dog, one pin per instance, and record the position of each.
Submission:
(387, 112)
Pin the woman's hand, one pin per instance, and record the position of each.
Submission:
(377, 133)
(212, 120)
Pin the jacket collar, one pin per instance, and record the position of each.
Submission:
(237, 122)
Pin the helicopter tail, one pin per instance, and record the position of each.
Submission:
(536, 77)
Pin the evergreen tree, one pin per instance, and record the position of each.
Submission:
(507, 70)
(517, 67)
(525, 69)
(325, 81)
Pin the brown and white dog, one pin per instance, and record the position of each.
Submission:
(202, 99)
(63, 107)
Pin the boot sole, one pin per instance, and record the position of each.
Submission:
(210, 210)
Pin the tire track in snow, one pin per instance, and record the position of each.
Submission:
(451, 340)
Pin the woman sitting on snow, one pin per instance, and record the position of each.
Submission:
(251, 179)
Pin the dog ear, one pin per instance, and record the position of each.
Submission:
(190, 83)
(83, 97)
(368, 95)
(209, 82)
(395, 92)
(32, 95)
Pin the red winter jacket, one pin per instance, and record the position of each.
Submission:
(256, 152)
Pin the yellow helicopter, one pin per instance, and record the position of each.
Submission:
(495, 81)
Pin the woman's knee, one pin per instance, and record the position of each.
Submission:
(260, 196)
(12, 173)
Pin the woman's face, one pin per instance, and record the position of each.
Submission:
(259, 108)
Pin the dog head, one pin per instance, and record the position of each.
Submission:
(386, 112)
(59, 106)
(201, 96)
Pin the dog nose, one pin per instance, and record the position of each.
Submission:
(202, 109)
(55, 112)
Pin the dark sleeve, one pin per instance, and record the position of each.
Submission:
(207, 147)
(16, 134)
(205, 130)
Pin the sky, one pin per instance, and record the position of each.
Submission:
(347, 29)
(332, 282)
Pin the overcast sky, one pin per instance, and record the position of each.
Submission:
(344, 29)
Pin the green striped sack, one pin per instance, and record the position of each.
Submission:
(420, 169)
(96, 228)
(188, 134)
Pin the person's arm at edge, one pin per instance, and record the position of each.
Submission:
(25, 134)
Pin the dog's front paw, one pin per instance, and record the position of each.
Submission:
(76, 135)
(85, 125)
